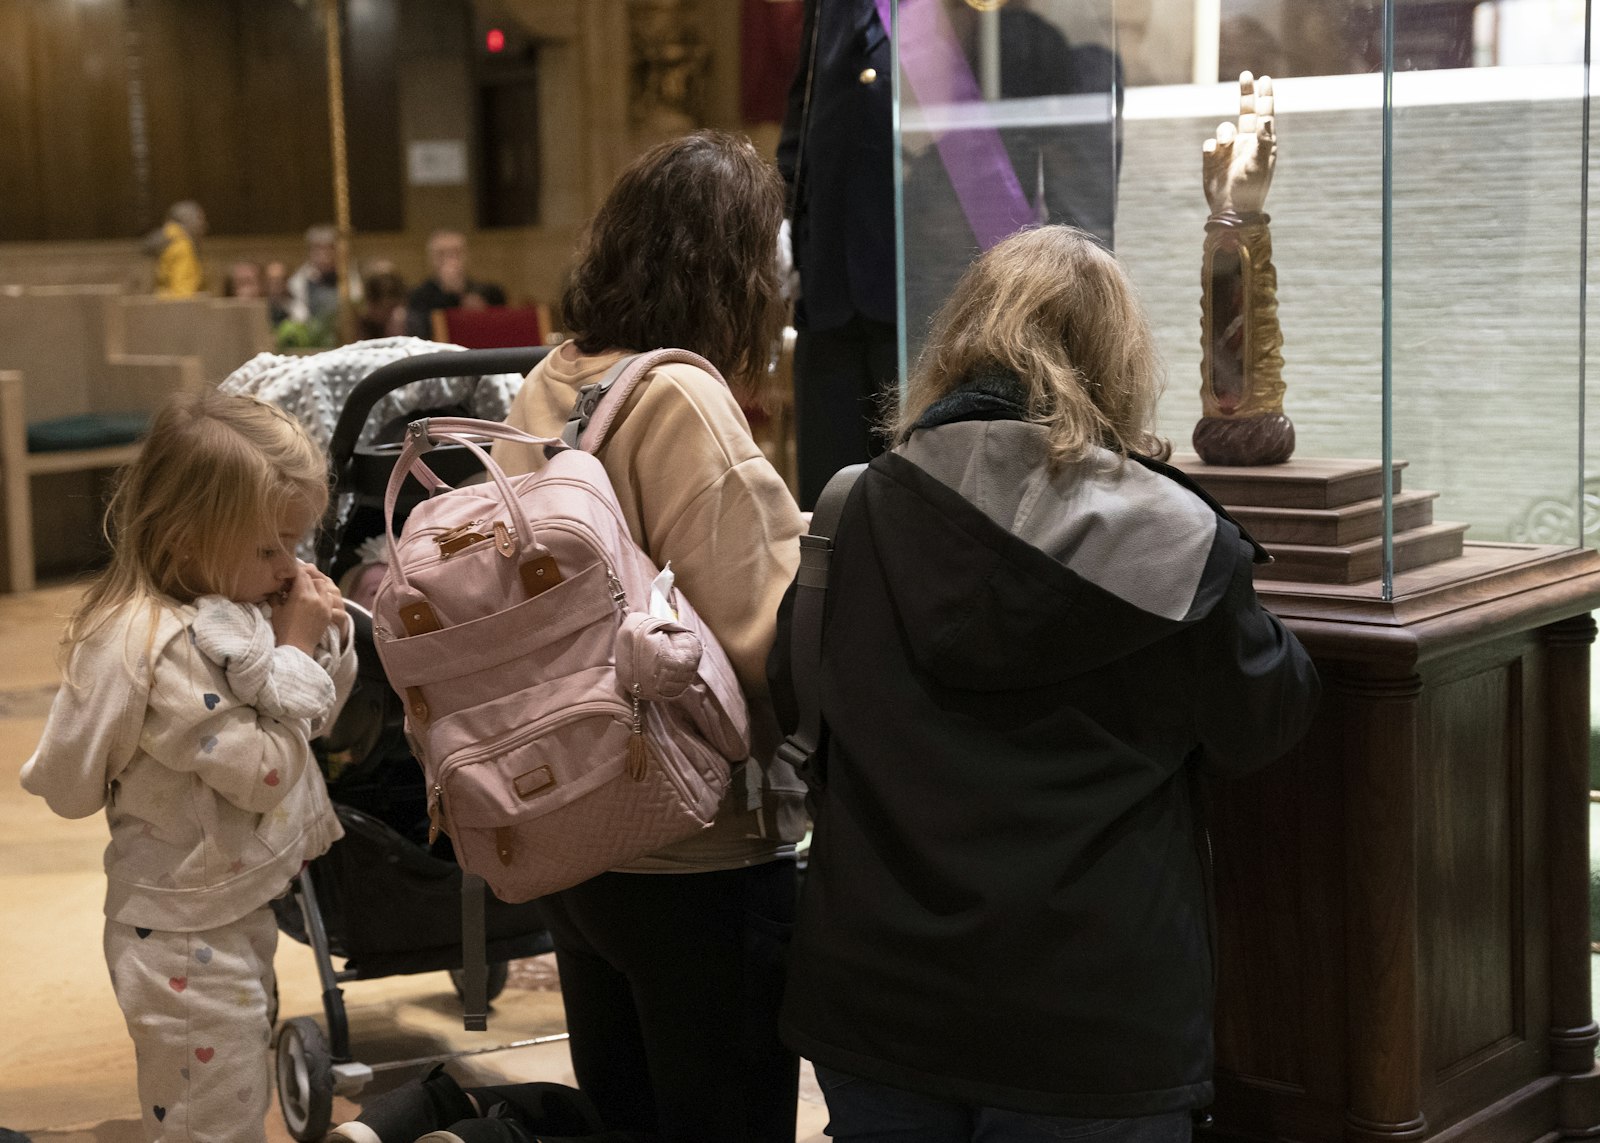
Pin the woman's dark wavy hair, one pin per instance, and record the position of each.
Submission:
(683, 254)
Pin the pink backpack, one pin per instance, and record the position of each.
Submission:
(562, 729)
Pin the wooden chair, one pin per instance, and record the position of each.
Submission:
(128, 384)
(56, 341)
(223, 332)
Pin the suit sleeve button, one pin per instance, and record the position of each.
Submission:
(869, 75)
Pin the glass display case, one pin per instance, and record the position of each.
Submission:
(1427, 222)
(1402, 920)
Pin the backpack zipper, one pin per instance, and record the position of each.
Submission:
(638, 754)
(463, 758)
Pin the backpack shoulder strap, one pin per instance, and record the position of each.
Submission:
(598, 405)
(800, 749)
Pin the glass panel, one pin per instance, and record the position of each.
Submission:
(1006, 119)
(1096, 113)
(1488, 276)
(1324, 208)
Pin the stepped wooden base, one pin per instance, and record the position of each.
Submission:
(1413, 548)
(1334, 527)
(1322, 519)
(1305, 482)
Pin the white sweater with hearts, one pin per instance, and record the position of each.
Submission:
(191, 730)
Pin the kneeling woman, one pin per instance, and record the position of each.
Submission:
(672, 967)
(1037, 636)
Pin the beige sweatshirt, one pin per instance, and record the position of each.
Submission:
(213, 797)
(695, 490)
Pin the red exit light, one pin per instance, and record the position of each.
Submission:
(495, 41)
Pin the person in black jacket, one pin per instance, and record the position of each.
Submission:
(836, 154)
(447, 285)
(1037, 638)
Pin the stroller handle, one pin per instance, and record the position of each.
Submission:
(424, 366)
(386, 379)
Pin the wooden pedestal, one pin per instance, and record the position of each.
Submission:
(1402, 903)
(1322, 520)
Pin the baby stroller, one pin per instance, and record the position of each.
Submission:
(383, 898)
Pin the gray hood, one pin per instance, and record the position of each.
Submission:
(1005, 574)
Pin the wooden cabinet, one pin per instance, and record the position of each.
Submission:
(1402, 903)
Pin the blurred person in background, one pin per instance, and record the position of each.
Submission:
(448, 286)
(176, 249)
(314, 287)
(383, 305)
(243, 281)
(275, 287)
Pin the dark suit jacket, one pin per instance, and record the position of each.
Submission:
(842, 210)
(430, 296)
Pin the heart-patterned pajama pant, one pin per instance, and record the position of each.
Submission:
(196, 1006)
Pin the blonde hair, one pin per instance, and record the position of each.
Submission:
(215, 473)
(1052, 306)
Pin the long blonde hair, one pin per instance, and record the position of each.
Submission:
(215, 473)
(1053, 307)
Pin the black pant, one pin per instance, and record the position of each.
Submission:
(863, 1111)
(672, 983)
(841, 379)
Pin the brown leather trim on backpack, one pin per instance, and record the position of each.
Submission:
(534, 782)
(502, 844)
(416, 705)
(539, 575)
(419, 618)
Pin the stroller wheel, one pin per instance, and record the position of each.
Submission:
(495, 983)
(305, 1079)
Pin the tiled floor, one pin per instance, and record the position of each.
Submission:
(66, 1065)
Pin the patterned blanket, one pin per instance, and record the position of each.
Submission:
(314, 389)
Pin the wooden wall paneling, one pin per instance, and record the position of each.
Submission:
(60, 112)
(717, 23)
(21, 214)
(372, 109)
(284, 117)
(436, 100)
(192, 106)
(163, 59)
(83, 153)
(238, 112)
(214, 147)
(109, 168)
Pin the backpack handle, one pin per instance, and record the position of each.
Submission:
(422, 435)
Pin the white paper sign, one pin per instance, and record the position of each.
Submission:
(437, 162)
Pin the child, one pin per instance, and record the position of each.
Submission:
(1038, 641)
(199, 667)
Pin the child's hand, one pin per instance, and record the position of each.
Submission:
(330, 592)
(306, 609)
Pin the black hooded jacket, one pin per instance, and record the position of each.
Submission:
(1023, 670)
